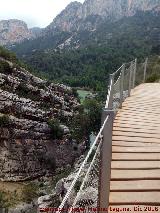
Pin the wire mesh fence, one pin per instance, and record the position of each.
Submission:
(129, 76)
(83, 191)
(116, 92)
(140, 74)
(122, 84)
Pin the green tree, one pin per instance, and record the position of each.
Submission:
(29, 192)
(8, 55)
(3, 200)
(5, 68)
(87, 120)
(4, 120)
(93, 110)
(56, 130)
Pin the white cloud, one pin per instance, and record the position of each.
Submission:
(34, 12)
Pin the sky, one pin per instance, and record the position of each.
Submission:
(36, 13)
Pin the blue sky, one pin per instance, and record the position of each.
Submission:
(36, 13)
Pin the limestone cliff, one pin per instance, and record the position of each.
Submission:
(27, 146)
(14, 31)
(87, 16)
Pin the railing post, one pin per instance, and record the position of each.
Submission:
(122, 85)
(110, 103)
(130, 79)
(134, 73)
(145, 70)
(105, 161)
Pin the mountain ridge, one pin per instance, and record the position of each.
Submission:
(74, 18)
(75, 14)
(92, 47)
(85, 59)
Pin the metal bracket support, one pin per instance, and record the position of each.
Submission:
(105, 163)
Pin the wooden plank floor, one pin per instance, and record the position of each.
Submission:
(135, 166)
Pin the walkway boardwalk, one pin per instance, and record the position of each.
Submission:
(135, 166)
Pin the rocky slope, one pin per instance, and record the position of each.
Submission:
(14, 31)
(27, 103)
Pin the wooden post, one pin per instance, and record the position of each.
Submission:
(110, 104)
(105, 161)
(130, 79)
(122, 85)
(134, 73)
(145, 70)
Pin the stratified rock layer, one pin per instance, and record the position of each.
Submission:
(27, 148)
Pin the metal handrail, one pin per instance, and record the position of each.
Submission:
(118, 78)
(114, 73)
(86, 176)
(82, 166)
(109, 94)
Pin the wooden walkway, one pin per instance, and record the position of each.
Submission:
(135, 166)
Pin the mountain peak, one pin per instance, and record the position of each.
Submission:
(13, 31)
(74, 4)
(67, 18)
(74, 16)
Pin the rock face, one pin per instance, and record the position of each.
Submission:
(78, 20)
(24, 207)
(77, 16)
(67, 20)
(13, 31)
(27, 103)
(86, 199)
(115, 9)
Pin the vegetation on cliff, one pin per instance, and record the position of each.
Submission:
(34, 119)
(4, 120)
(153, 70)
(8, 55)
(57, 131)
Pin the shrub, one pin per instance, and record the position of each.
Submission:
(56, 130)
(4, 53)
(5, 68)
(29, 192)
(24, 91)
(4, 120)
(91, 156)
(50, 160)
(75, 93)
(3, 201)
(59, 176)
(77, 185)
(153, 78)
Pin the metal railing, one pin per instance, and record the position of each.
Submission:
(93, 176)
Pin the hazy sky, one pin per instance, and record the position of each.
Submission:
(36, 13)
